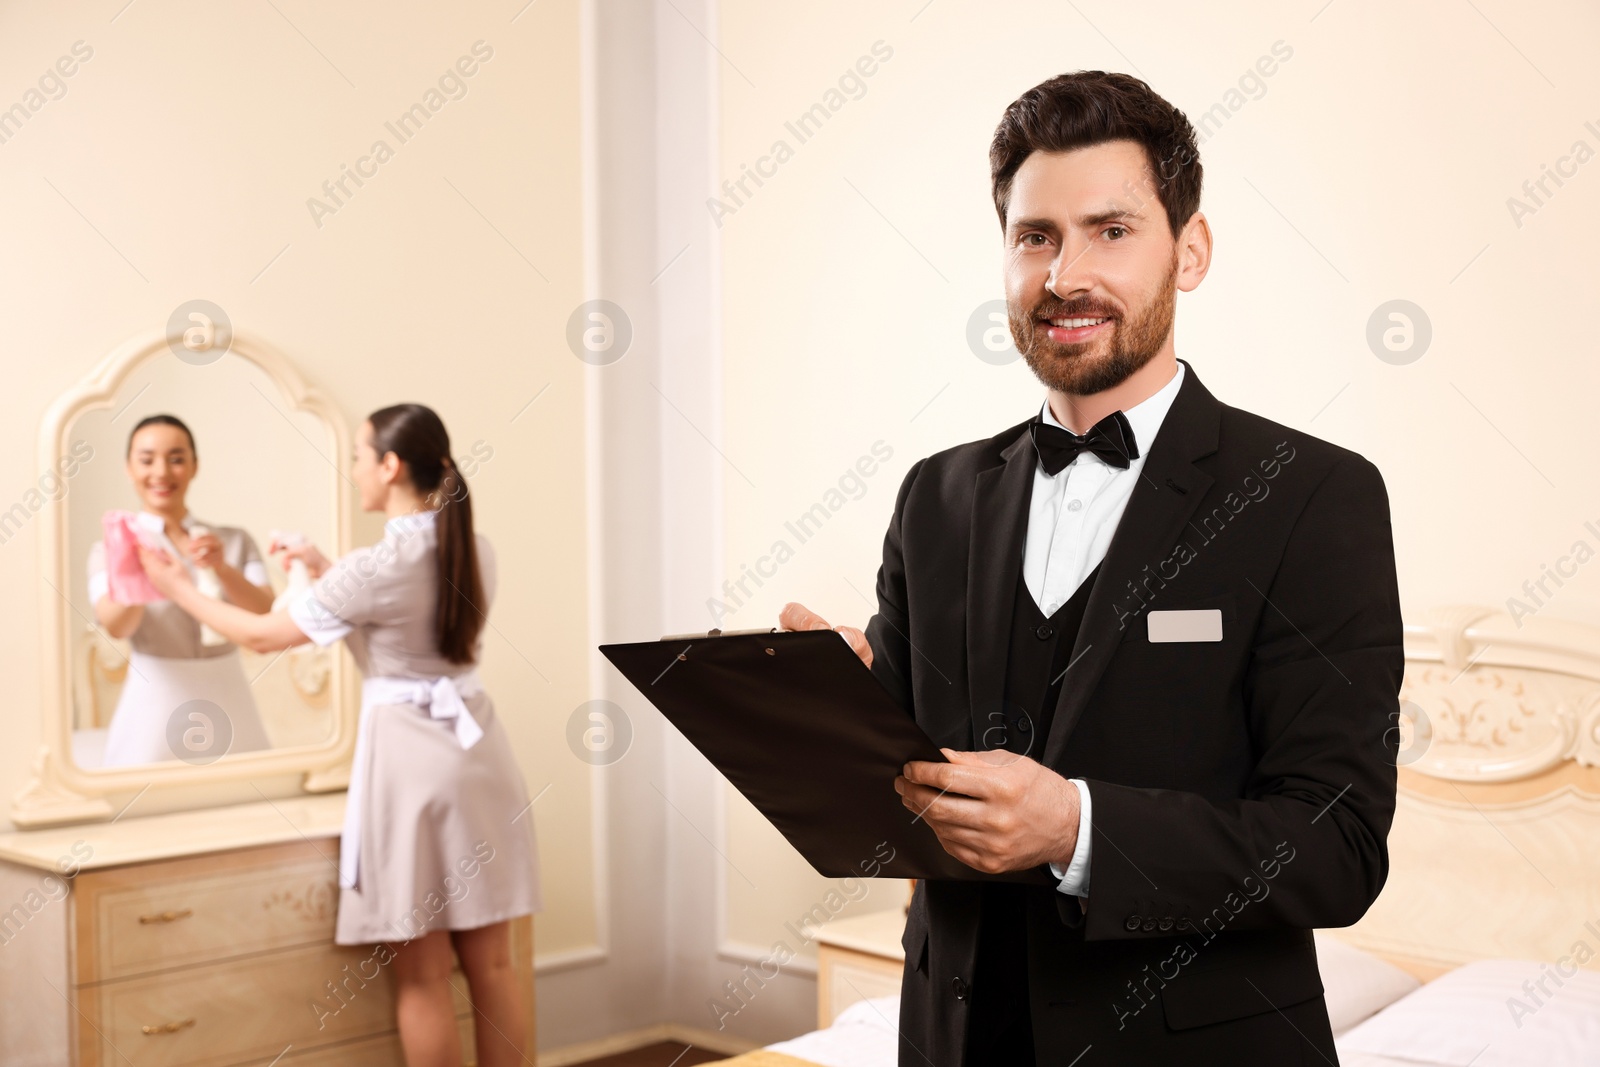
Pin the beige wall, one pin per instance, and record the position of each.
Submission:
(1374, 163)
(178, 164)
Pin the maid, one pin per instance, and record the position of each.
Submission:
(171, 663)
(438, 848)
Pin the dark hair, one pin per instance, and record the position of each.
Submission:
(160, 420)
(417, 436)
(1090, 107)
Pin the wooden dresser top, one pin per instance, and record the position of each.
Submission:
(180, 833)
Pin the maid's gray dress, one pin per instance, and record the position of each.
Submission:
(439, 830)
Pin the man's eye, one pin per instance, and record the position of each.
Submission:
(1027, 238)
(1119, 229)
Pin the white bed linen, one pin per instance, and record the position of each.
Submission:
(864, 1035)
(1356, 984)
(1432, 1025)
(1348, 1058)
(1493, 1013)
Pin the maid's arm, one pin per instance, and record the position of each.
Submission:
(246, 584)
(241, 590)
(118, 619)
(259, 633)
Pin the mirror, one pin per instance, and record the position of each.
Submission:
(240, 451)
(158, 689)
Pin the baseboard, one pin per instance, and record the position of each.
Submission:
(649, 1035)
(715, 1040)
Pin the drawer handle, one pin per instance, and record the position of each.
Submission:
(165, 917)
(168, 1028)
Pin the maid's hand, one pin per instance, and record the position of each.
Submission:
(205, 549)
(316, 563)
(164, 572)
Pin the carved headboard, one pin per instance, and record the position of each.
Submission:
(1495, 848)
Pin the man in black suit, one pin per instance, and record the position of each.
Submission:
(1158, 639)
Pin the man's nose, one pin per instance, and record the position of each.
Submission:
(1070, 271)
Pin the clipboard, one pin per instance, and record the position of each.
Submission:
(801, 727)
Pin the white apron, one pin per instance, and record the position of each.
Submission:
(153, 690)
(442, 698)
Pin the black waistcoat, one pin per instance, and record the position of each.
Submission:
(1038, 654)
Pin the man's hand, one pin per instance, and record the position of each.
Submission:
(800, 617)
(995, 811)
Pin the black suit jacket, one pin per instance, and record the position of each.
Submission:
(1242, 789)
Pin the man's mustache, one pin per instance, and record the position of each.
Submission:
(1069, 311)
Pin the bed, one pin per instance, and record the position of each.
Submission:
(1484, 947)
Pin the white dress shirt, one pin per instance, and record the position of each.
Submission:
(1071, 519)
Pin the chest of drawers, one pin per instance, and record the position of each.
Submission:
(197, 939)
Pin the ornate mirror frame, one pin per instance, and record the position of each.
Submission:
(60, 791)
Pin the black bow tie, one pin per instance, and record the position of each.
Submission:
(1111, 439)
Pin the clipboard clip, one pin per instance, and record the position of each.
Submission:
(720, 633)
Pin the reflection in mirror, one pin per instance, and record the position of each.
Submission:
(211, 463)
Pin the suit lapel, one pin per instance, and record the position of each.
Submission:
(999, 524)
(1155, 514)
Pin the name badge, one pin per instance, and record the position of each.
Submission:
(1201, 624)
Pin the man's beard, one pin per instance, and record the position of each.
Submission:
(1071, 368)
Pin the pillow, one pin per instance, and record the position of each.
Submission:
(866, 1034)
(1356, 984)
(879, 1012)
(1492, 1012)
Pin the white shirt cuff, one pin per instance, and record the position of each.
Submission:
(99, 586)
(1075, 877)
(316, 621)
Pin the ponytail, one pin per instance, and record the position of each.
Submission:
(415, 434)
(458, 609)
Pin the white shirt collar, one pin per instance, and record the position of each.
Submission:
(404, 525)
(187, 521)
(1145, 417)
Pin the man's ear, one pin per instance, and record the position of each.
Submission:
(1194, 252)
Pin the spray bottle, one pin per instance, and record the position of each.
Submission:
(206, 580)
(208, 584)
(299, 577)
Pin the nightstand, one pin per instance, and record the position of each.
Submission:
(857, 959)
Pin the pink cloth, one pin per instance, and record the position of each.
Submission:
(125, 576)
